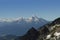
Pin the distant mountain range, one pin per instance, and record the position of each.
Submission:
(44, 31)
(49, 31)
(19, 26)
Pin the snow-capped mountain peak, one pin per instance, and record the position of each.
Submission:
(33, 18)
(16, 25)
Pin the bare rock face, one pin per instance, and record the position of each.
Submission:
(56, 21)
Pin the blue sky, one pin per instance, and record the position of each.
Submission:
(47, 9)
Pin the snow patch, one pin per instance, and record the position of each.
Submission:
(48, 36)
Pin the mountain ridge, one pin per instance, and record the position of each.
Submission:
(50, 31)
(15, 27)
